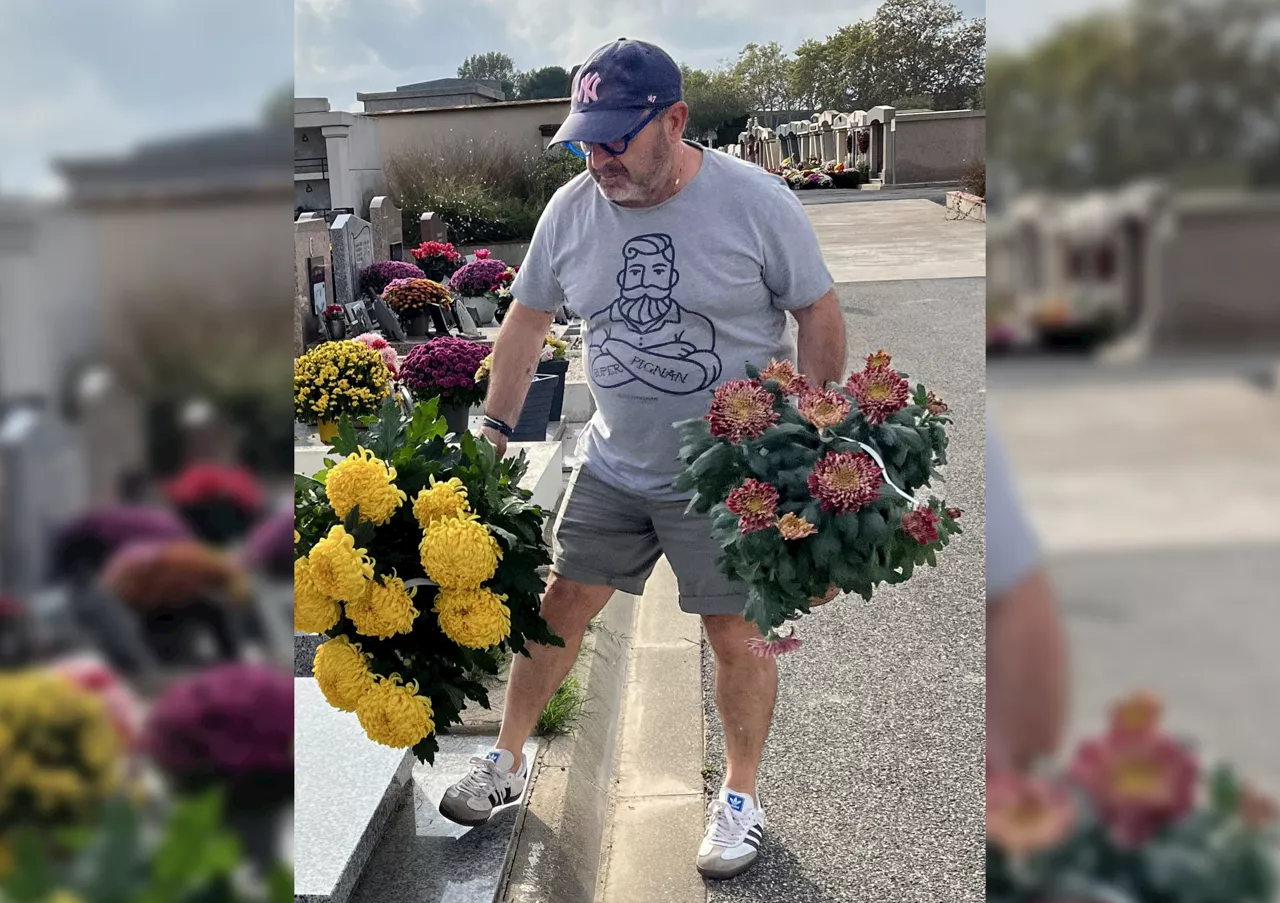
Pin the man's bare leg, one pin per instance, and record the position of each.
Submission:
(568, 607)
(746, 689)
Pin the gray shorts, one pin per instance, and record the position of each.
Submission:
(606, 536)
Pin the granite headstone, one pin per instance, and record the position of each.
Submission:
(388, 229)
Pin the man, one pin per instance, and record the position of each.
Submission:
(1026, 656)
(684, 264)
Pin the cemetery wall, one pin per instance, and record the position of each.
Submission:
(938, 146)
(1222, 240)
(516, 124)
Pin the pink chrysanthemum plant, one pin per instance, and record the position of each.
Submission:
(814, 490)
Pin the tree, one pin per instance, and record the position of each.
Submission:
(492, 65)
(1165, 88)
(543, 84)
(763, 71)
(925, 47)
(718, 104)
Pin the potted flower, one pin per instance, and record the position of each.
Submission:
(374, 279)
(219, 502)
(413, 299)
(536, 413)
(389, 355)
(445, 368)
(421, 574)
(555, 361)
(84, 544)
(813, 487)
(438, 260)
(231, 728)
(474, 283)
(335, 322)
(336, 379)
(182, 593)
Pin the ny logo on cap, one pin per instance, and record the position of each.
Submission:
(587, 87)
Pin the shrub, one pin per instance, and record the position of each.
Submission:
(485, 192)
(975, 180)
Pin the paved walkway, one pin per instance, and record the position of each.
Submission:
(892, 238)
(1155, 499)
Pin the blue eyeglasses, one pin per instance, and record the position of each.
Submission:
(614, 148)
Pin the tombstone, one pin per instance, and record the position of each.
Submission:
(388, 229)
(388, 321)
(42, 486)
(432, 228)
(313, 276)
(352, 240)
(465, 321)
(112, 424)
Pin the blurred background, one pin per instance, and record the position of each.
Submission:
(145, 450)
(1134, 352)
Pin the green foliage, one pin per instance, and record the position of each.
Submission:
(563, 710)
(717, 102)
(855, 551)
(492, 65)
(543, 84)
(416, 446)
(486, 192)
(191, 859)
(1179, 89)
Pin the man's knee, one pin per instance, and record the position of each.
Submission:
(569, 605)
(728, 635)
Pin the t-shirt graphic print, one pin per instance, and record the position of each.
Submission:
(646, 336)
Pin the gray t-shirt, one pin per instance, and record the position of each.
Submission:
(1012, 549)
(677, 299)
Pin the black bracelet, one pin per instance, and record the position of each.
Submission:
(494, 423)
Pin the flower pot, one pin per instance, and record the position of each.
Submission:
(328, 431)
(417, 323)
(482, 309)
(536, 414)
(558, 369)
(458, 417)
(337, 329)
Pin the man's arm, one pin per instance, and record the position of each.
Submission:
(1026, 675)
(821, 340)
(515, 358)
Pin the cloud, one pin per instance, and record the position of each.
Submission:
(80, 77)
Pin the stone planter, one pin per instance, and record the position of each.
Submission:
(482, 309)
(536, 414)
(558, 369)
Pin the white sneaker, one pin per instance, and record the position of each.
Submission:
(733, 838)
(489, 786)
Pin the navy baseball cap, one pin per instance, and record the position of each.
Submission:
(614, 89)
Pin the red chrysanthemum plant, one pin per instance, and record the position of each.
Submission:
(816, 489)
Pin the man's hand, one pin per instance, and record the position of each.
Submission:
(499, 441)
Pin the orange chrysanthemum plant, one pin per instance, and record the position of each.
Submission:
(818, 487)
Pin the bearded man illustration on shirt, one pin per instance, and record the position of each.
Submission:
(645, 336)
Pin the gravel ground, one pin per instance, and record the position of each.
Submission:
(873, 776)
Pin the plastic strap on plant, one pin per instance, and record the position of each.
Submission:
(875, 456)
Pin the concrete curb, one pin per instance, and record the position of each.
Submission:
(556, 855)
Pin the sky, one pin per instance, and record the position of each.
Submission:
(86, 78)
(345, 46)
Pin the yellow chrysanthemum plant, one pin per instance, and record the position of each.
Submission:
(339, 380)
(420, 560)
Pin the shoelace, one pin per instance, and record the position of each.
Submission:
(483, 778)
(730, 825)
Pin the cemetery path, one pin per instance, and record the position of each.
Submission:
(873, 776)
(898, 238)
(1149, 585)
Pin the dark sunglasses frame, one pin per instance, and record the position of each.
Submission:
(583, 148)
